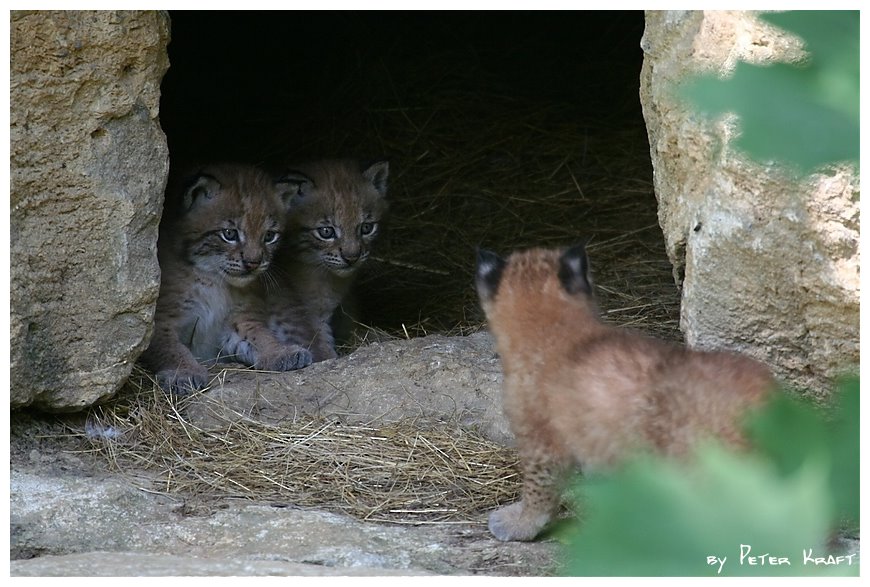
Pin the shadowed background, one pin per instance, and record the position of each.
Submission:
(503, 130)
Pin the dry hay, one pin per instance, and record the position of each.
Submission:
(543, 189)
(396, 472)
(476, 160)
(467, 170)
(475, 164)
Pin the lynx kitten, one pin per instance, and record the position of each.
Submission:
(214, 248)
(581, 394)
(335, 218)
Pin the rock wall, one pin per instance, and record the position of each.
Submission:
(88, 168)
(768, 265)
(428, 379)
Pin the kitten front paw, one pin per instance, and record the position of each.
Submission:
(297, 359)
(182, 382)
(513, 523)
(292, 358)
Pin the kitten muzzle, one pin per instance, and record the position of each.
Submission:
(241, 278)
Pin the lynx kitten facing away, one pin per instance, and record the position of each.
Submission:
(334, 219)
(582, 394)
(215, 246)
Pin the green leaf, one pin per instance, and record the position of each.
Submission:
(845, 450)
(830, 36)
(791, 431)
(656, 518)
(806, 114)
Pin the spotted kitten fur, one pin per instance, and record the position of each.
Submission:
(579, 393)
(215, 245)
(335, 217)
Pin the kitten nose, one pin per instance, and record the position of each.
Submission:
(250, 264)
(350, 258)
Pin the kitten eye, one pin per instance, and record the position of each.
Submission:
(230, 235)
(271, 237)
(367, 228)
(326, 232)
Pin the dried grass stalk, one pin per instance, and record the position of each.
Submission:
(396, 472)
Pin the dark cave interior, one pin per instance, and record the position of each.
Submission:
(460, 103)
(260, 85)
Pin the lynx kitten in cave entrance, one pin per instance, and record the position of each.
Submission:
(335, 218)
(216, 243)
(582, 394)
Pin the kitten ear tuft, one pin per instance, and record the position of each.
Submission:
(574, 270)
(377, 174)
(488, 275)
(199, 187)
(292, 187)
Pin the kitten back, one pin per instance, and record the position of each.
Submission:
(581, 393)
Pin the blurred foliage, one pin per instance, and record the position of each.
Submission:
(790, 431)
(805, 114)
(722, 513)
(655, 517)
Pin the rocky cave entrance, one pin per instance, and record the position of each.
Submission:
(503, 130)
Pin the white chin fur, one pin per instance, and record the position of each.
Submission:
(239, 280)
(342, 269)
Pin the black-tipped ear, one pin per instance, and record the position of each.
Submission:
(574, 270)
(199, 187)
(489, 270)
(377, 174)
(292, 187)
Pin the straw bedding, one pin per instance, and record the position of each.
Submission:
(474, 162)
(396, 472)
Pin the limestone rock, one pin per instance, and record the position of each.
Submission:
(88, 524)
(88, 168)
(433, 378)
(143, 564)
(768, 264)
